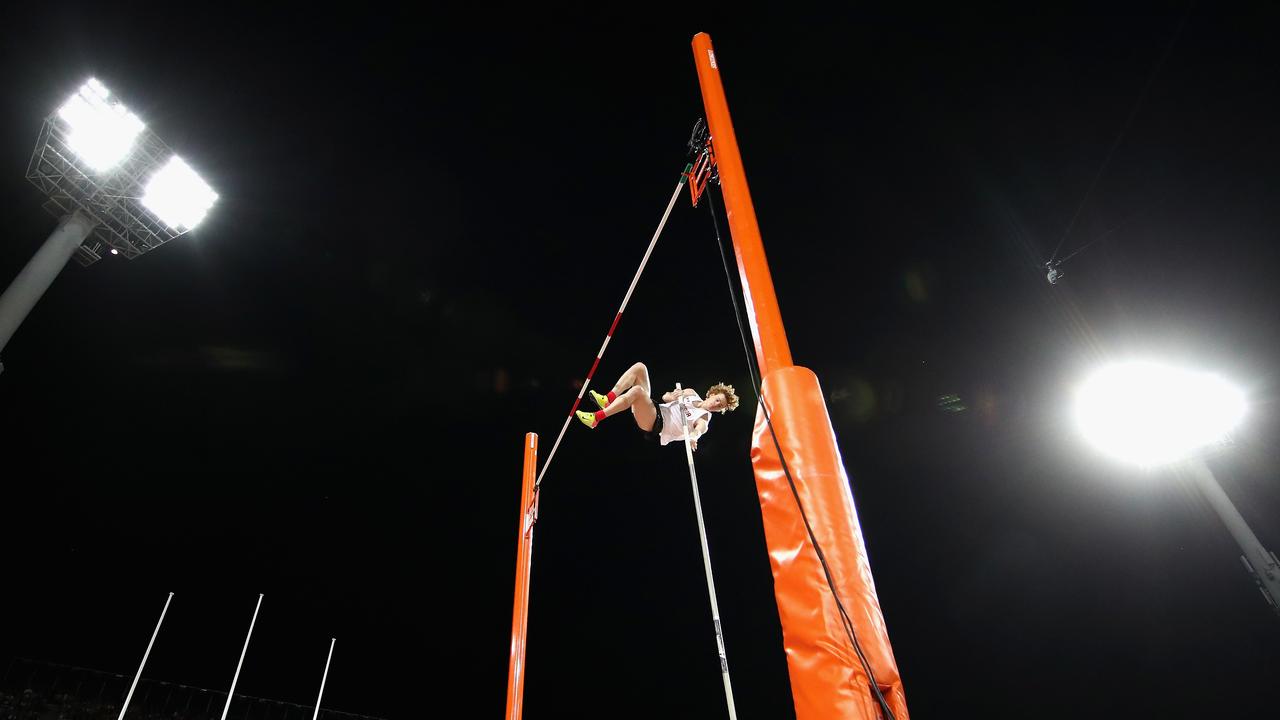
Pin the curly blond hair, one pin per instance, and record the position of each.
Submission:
(730, 397)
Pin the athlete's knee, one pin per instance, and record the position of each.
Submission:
(640, 369)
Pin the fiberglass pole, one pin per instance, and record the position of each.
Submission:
(706, 565)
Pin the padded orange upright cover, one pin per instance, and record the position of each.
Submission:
(827, 679)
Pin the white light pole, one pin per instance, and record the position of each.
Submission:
(1153, 415)
(1261, 563)
(236, 678)
(113, 183)
(316, 715)
(138, 676)
(26, 289)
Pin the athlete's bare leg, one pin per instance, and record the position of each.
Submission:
(633, 391)
(637, 374)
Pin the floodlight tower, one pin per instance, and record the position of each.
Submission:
(113, 184)
(1153, 415)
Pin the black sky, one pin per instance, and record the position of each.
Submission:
(426, 224)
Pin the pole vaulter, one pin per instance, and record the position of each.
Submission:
(839, 658)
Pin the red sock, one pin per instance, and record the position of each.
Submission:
(599, 416)
(612, 396)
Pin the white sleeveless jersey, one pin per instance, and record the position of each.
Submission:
(676, 413)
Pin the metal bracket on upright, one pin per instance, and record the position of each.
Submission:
(702, 162)
(531, 515)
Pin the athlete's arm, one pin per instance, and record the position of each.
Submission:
(699, 428)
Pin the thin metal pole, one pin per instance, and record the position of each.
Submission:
(231, 693)
(145, 655)
(706, 564)
(316, 714)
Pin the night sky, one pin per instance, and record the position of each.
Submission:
(426, 224)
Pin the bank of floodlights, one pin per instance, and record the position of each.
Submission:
(1152, 414)
(113, 185)
(97, 158)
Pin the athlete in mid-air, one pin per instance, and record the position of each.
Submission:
(661, 421)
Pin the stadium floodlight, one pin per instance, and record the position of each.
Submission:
(178, 196)
(100, 130)
(1150, 414)
(116, 187)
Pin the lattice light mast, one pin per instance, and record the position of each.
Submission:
(114, 185)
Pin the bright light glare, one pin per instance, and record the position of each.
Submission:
(1151, 414)
(178, 196)
(102, 130)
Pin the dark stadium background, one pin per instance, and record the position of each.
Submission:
(427, 219)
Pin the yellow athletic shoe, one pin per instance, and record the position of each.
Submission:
(588, 419)
(601, 400)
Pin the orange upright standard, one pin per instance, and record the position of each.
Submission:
(829, 680)
(524, 560)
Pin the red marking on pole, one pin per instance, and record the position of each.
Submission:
(614, 326)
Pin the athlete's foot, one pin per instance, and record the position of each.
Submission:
(588, 419)
(601, 400)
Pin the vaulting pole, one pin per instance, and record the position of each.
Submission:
(706, 566)
(675, 195)
(828, 680)
(524, 562)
